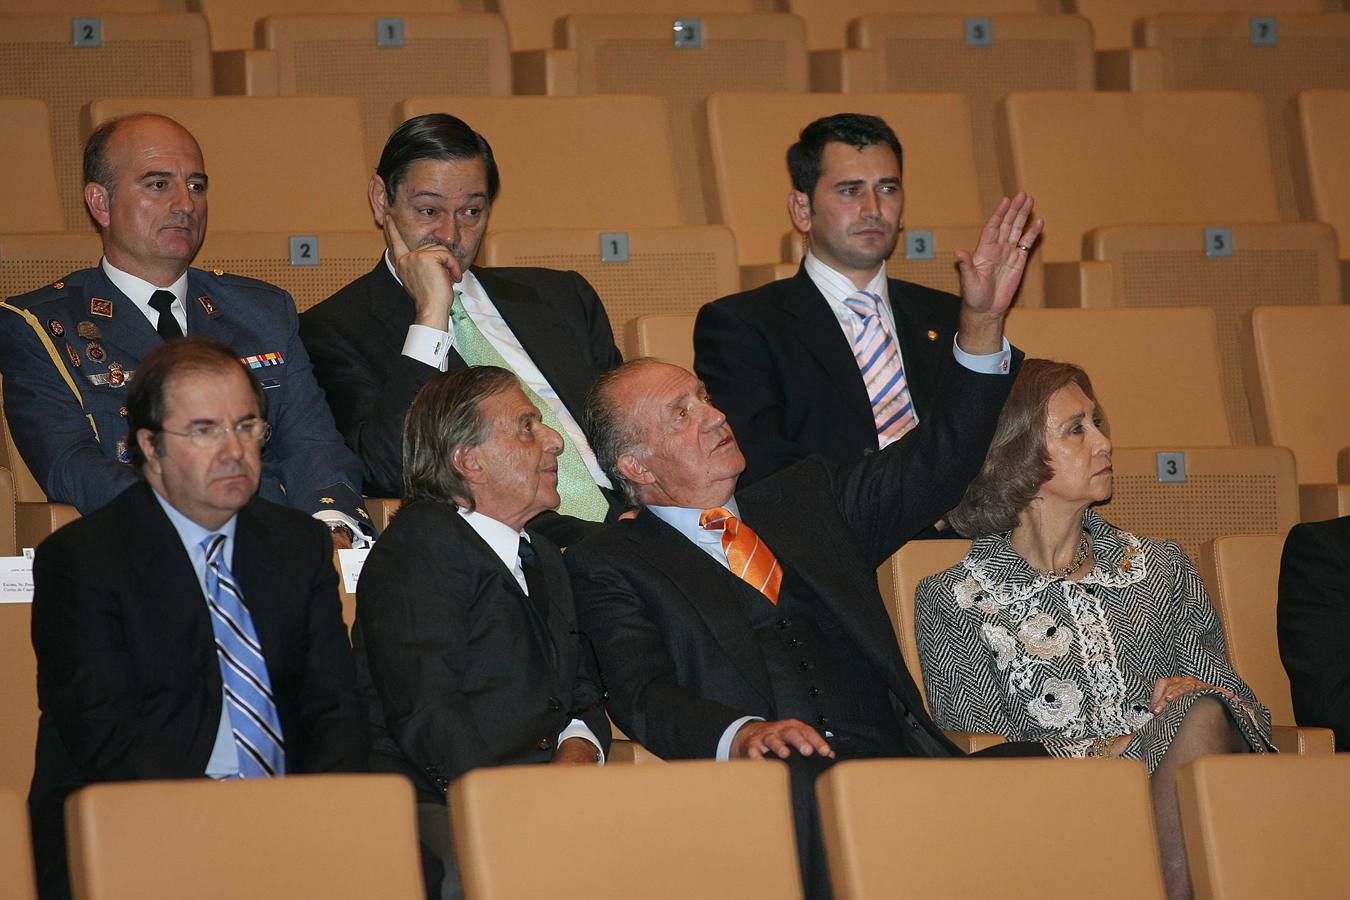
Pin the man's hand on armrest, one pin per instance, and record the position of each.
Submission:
(756, 740)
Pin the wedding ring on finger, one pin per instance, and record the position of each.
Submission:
(1024, 248)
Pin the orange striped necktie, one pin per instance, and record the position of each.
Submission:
(748, 558)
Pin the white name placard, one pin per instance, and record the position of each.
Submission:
(16, 579)
(350, 562)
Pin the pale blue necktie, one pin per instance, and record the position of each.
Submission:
(248, 689)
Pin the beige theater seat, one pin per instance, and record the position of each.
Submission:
(903, 52)
(1152, 266)
(827, 20)
(533, 22)
(35, 518)
(996, 828)
(1266, 826)
(1299, 386)
(1093, 159)
(667, 271)
(31, 261)
(1322, 169)
(32, 202)
(234, 23)
(340, 837)
(637, 54)
(1136, 358)
(289, 164)
(322, 263)
(669, 338)
(1228, 490)
(380, 58)
(139, 56)
(9, 529)
(750, 134)
(687, 829)
(600, 163)
(1243, 573)
(1221, 52)
(1113, 21)
(16, 851)
(18, 697)
(91, 7)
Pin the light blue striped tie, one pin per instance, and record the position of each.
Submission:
(883, 375)
(248, 689)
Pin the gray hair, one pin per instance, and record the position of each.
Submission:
(612, 433)
(446, 415)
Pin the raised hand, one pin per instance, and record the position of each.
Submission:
(991, 274)
(428, 273)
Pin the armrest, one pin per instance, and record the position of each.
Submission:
(1138, 69)
(549, 72)
(1083, 284)
(34, 521)
(9, 527)
(1318, 502)
(754, 276)
(381, 510)
(1303, 741)
(975, 741)
(248, 73)
(629, 753)
(841, 71)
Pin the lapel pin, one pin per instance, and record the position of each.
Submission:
(95, 352)
(208, 304)
(100, 307)
(56, 328)
(74, 357)
(88, 330)
(932, 334)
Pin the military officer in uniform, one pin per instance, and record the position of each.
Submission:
(68, 350)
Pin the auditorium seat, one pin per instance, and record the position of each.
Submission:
(289, 164)
(339, 837)
(638, 54)
(1243, 573)
(18, 697)
(9, 536)
(378, 61)
(827, 20)
(1153, 266)
(654, 270)
(1156, 372)
(1322, 169)
(1274, 56)
(533, 22)
(1093, 159)
(940, 53)
(1266, 826)
(311, 267)
(35, 518)
(90, 7)
(602, 163)
(1227, 490)
(1299, 383)
(16, 849)
(32, 202)
(669, 338)
(1113, 21)
(687, 829)
(139, 56)
(751, 132)
(995, 828)
(31, 261)
(234, 22)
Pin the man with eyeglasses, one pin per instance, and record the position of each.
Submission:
(189, 628)
(70, 350)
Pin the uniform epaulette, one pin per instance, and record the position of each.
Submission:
(240, 281)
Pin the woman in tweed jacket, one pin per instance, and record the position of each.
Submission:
(1060, 628)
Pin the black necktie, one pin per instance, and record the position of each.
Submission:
(168, 326)
(534, 579)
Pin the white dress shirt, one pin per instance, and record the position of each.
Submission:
(138, 291)
(836, 288)
(432, 346)
(505, 543)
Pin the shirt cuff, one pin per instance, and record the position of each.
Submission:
(427, 345)
(335, 517)
(724, 745)
(985, 363)
(579, 729)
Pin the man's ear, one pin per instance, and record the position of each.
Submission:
(145, 439)
(379, 199)
(799, 211)
(97, 199)
(468, 462)
(633, 469)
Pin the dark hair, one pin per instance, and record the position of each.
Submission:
(612, 434)
(445, 415)
(433, 136)
(147, 396)
(855, 129)
(1017, 465)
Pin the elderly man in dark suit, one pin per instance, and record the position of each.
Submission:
(466, 635)
(189, 628)
(839, 359)
(69, 351)
(1314, 624)
(425, 308)
(749, 624)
